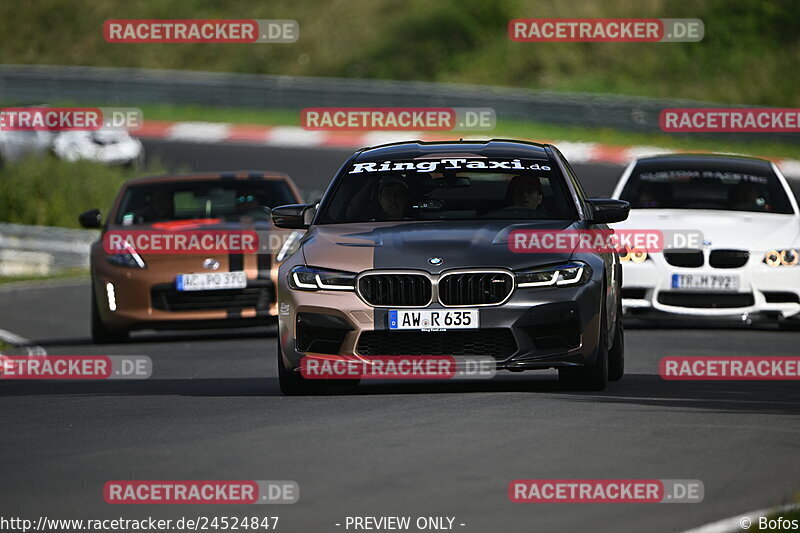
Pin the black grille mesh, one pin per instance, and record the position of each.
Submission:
(166, 298)
(395, 289)
(712, 300)
(498, 343)
(684, 258)
(478, 288)
(728, 258)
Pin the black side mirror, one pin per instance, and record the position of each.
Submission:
(607, 211)
(91, 219)
(294, 216)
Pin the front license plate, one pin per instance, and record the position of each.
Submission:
(211, 281)
(705, 282)
(434, 319)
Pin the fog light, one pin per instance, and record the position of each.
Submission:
(112, 300)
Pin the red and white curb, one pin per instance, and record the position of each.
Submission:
(295, 137)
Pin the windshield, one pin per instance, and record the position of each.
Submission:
(708, 185)
(162, 202)
(525, 190)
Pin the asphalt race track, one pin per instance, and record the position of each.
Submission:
(212, 410)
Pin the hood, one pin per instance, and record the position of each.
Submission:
(723, 229)
(459, 244)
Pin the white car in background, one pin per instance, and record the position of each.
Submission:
(747, 266)
(109, 146)
(17, 145)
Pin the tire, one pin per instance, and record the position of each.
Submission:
(616, 354)
(102, 334)
(293, 384)
(594, 376)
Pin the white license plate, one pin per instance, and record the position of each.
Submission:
(211, 281)
(706, 282)
(434, 319)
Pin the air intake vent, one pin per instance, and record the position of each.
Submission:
(684, 258)
(728, 258)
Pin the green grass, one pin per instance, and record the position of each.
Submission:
(72, 273)
(749, 55)
(49, 192)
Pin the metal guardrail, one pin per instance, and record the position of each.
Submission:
(43, 250)
(126, 87)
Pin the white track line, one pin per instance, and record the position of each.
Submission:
(13, 338)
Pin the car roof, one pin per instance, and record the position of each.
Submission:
(743, 161)
(233, 175)
(504, 148)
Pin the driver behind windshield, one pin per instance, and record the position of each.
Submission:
(158, 207)
(247, 205)
(523, 199)
(525, 191)
(393, 198)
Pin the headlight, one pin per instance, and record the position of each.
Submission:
(305, 278)
(637, 255)
(290, 246)
(776, 258)
(128, 259)
(574, 273)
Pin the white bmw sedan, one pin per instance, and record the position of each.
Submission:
(747, 264)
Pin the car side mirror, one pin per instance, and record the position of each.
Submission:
(607, 211)
(91, 219)
(294, 216)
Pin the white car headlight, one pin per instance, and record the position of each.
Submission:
(305, 278)
(574, 273)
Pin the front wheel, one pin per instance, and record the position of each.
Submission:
(616, 354)
(101, 333)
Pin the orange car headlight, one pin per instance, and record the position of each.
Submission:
(784, 257)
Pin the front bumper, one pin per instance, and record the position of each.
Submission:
(534, 328)
(147, 299)
(763, 291)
